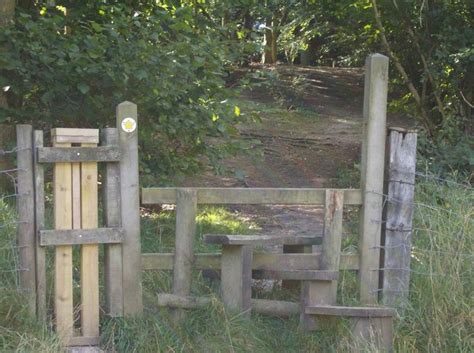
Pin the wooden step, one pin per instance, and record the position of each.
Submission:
(228, 239)
(297, 275)
(350, 311)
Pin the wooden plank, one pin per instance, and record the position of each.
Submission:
(112, 218)
(78, 154)
(299, 275)
(83, 341)
(186, 212)
(66, 135)
(261, 261)
(81, 236)
(349, 311)
(26, 215)
(236, 277)
(255, 240)
(38, 172)
(288, 196)
(325, 292)
(63, 298)
(262, 306)
(290, 285)
(398, 228)
(372, 170)
(130, 208)
(89, 252)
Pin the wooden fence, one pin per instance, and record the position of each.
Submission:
(75, 155)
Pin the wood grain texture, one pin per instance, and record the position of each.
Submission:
(89, 252)
(372, 172)
(299, 275)
(290, 196)
(71, 135)
(63, 299)
(186, 212)
(26, 215)
(39, 203)
(112, 218)
(81, 236)
(78, 154)
(261, 261)
(399, 216)
(130, 212)
(254, 240)
(325, 292)
(236, 278)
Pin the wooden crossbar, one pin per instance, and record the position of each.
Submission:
(225, 239)
(289, 196)
(78, 154)
(80, 236)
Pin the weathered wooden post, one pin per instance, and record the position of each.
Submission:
(186, 210)
(372, 170)
(130, 205)
(399, 215)
(113, 274)
(26, 218)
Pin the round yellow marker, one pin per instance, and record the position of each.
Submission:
(129, 125)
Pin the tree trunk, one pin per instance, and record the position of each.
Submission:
(274, 46)
(267, 51)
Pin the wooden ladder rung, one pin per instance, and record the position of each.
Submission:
(297, 275)
(80, 236)
(348, 311)
(78, 154)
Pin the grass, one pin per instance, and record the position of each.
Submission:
(438, 316)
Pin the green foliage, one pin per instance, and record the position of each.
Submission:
(165, 59)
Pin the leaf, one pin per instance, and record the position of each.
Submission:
(236, 111)
(83, 87)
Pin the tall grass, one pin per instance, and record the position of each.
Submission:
(437, 318)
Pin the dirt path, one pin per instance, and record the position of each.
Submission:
(312, 142)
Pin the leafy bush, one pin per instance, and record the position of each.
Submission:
(165, 59)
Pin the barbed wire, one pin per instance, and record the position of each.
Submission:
(4, 152)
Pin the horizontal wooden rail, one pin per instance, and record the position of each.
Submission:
(262, 306)
(78, 154)
(297, 275)
(308, 196)
(254, 240)
(350, 311)
(261, 261)
(80, 236)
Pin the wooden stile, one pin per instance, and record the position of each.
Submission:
(372, 169)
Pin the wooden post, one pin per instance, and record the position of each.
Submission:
(130, 205)
(112, 252)
(372, 169)
(39, 225)
(63, 298)
(186, 210)
(236, 278)
(325, 292)
(89, 252)
(25, 206)
(398, 229)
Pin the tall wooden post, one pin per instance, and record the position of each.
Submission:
(25, 206)
(112, 212)
(130, 206)
(372, 170)
(398, 229)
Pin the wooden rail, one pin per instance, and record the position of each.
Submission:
(290, 196)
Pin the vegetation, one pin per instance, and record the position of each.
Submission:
(437, 317)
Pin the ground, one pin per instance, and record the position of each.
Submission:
(309, 135)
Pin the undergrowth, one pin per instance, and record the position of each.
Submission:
(437, 317)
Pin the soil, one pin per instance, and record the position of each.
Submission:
(316, 144)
